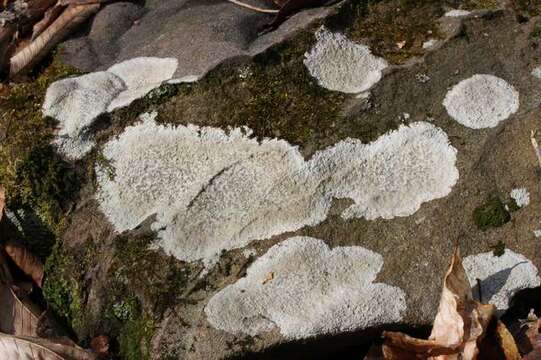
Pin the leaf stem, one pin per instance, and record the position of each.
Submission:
(252, 7)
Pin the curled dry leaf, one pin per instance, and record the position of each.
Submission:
(506, 342)
(2, 201)
(459, 325)
(33, 348)
(18, 316)
(26, 261)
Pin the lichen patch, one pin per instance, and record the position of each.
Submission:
(521, 196)
(312, 291)
(341, 65)
(76, 102)
(457, 13)
(500, 277)
(213, 190)
(481, 101)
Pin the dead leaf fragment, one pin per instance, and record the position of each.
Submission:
(26, 261)
(18, 316)
(400, 44)
(506, 342)
(459, 326)
(268, 278)
(100, 345)
(34, 348)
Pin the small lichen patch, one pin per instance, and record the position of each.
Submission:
(481, 101)
(457, 13)
(213, 191)
(521, 196)
(342, 65)
(77, 102)
(537, 72)
(500, 277)
(313, 291)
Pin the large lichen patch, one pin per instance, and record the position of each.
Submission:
(214, 191)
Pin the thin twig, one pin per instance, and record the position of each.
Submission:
(252, 7)
(536, 147)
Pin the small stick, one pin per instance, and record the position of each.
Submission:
(536, 147)
(480, 290)
(252, 7)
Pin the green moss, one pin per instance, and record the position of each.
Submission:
(33, 174)
(536, 33)
(527, 7)
(491, 214)
(498, 249)
(396, 30)
(62, 288)
(274, 95)
(135, 338)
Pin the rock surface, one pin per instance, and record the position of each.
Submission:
(117, 252)
(213, 30)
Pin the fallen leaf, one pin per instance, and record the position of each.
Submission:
(506, 342)
(18, 316)
(2, 201)
(26, 261)
(459, 325)
(400, 44)
(268, 278)
(34, 348)
(100, 345)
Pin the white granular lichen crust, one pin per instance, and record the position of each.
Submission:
(213, 191)
(304, 289)
(341, 65)
(140, 75)
(521, 196)
(457, 13)
(481, 101)
(501, 276)
(537, 72)
(77, 102)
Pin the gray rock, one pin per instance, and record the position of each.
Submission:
(199, 33)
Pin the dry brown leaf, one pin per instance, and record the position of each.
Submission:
(70, 18)
(268, 278)
(459, 325)
(506, 342)
(2, 201)
(34, 348)
(100, 345)
(26, 261)
(18, 316)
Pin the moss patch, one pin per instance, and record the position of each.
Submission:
(33, 174)
(396, 30)
(274, 95)
(62, 288)
(491, 214)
